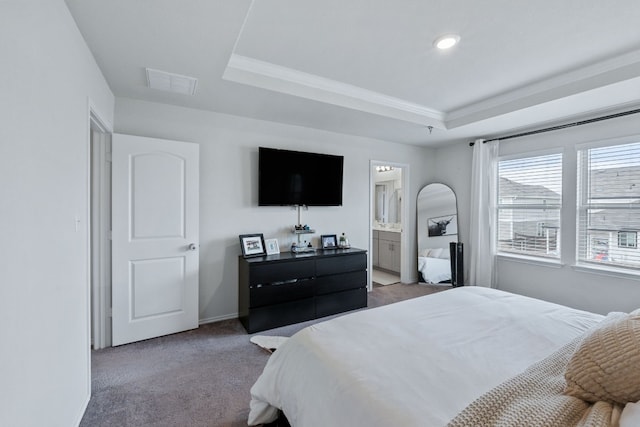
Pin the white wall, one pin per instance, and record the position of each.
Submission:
(47, 76)
(453, 168)
(564, 285)
(228, 187)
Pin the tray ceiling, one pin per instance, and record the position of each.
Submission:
(369, 67)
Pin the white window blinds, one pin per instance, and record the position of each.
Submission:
(609, 205)
(529, 205)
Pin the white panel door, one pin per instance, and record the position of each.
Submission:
(155, 198)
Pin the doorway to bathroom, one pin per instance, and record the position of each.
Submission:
(387, 222)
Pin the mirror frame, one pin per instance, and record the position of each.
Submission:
(439, 223)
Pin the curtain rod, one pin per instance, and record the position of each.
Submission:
(568, 125)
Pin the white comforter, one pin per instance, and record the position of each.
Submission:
(434, 270)
(413, 363)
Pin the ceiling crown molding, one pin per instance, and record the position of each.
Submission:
(266, 75)
(614, 70)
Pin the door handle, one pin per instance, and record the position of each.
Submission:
(192, 247)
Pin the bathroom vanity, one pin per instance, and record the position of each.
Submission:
(386, 249)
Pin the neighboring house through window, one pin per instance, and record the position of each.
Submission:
(529, 205)
(609, 205)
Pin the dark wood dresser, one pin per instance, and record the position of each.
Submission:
(278, 290)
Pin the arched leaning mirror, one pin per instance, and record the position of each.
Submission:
(437, 227)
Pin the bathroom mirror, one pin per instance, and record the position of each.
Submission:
(437, 229)
(388, 202)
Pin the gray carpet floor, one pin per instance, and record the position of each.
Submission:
(196, 378)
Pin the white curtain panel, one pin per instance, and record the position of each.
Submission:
(483, 214)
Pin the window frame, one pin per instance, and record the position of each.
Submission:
(582, 208)
(626, 244)
(523, 256)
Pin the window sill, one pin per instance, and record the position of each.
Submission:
(544, 262)
(607, 271)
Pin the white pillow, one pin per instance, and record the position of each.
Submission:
(445, 254)
(425, 253)
(630, 415)
(435, 253)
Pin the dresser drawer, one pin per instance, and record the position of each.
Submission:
(273, 316)
(281, 272)
(341, 264)
(261, 295)
(341, 282)
(338, 302)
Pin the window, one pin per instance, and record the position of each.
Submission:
(529, 205)
(609, 205)
(627, 239)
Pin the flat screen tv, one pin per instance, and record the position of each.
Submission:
(297, 178)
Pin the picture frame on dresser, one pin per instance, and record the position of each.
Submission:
(272, 246)
(252, 245)
(329, 241)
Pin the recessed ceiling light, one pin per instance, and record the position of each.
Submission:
(447, 41)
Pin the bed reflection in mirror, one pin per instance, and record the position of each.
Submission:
(437, 228)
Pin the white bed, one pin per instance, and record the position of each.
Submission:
(414, 363)
(434, 270)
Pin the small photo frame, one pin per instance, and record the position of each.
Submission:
(329, 241)
(252, 245)
(272, 246)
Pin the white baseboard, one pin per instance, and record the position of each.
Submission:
(83, 409)
(218, 318)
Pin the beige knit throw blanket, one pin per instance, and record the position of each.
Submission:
(535, 398)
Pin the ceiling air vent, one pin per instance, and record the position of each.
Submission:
(170, 82)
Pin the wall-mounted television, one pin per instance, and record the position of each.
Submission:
(298, 178)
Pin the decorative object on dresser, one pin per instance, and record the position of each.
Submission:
(289, 288)
(328, 241)
(343, 242)
(272, 246)
(299, 230)
(252, 245)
